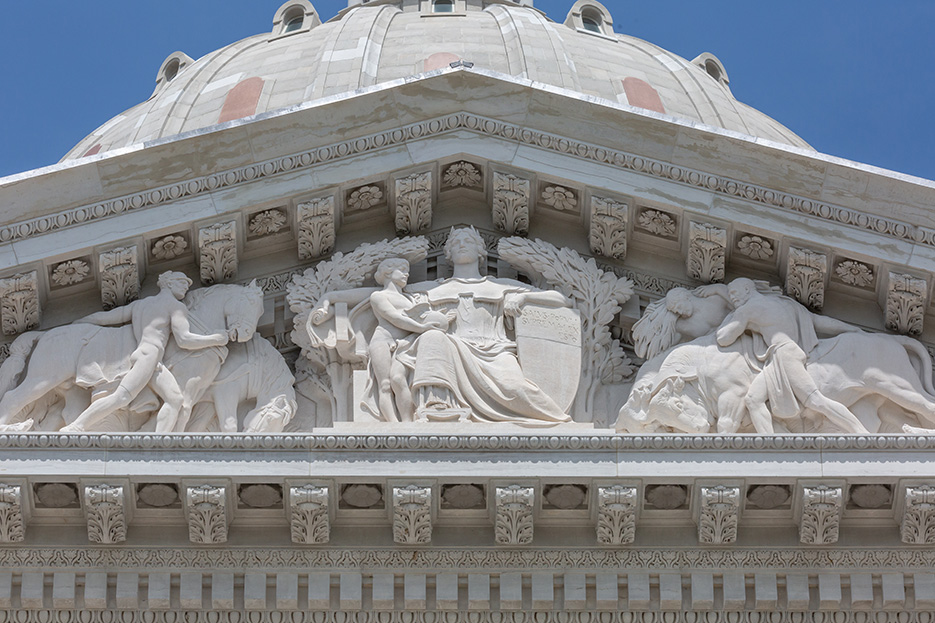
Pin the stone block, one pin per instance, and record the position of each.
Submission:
(191, 591)
(670, 591)
(638, 596)
(383, 591)
(894, 591)
(128, 590)
(861, 591)
(63, 590)
(95, 591)
(478, 591)
(511, 591)
(350, 591)
(222, 591)
(829, 591)
(766, 595)
(702, 588)
(446, 591)
(32, 591)
(575, 591)
(607, 591)
(414, 591)
(543, 591)
(287, 591)
(157, 593)
(319, 591)
(735, 591)
(254, 591)
(797, 591)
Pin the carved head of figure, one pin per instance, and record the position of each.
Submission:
(679, 302)
(740, 291)
(394, 269)
(175, 282)
(464, 246)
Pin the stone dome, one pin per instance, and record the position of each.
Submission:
(378, 41)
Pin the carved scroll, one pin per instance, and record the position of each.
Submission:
(316, 227)
(217, 246)
(207, 514)
(11, 514)
(511, 204)
(120, 276)
(905, 303)
(918, 523)
(608, 235)
(310, 522)
(105, 509)
(616, 514)
(513, 525)
(821, 515)
(412, 514)
(413, 203)
(707, 252)
(719, 514)
(19, 303)
(805, 277)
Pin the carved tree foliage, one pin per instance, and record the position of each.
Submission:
(341, 272)
(310, 521)
(596, 294)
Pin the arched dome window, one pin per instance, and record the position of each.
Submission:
(293, 23)
(591, 20)
(713, 67)
(172, 69)
(294, 16)
(443, 6)
(713, 70)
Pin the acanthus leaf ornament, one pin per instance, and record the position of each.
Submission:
(316, 227)
(412, 514)
(106, 514)
(310, 521)
(19, 303)
(918, 522)
(513, 523)
(806, 271)
(12, 528)
(207, 514)
(217, 246)
(413, 203)
(905, 303)
(821, 514)
(719, 514)
(511, 203)
(608, 235)
(461, 174)
(120, 276)
(707, 252)
(616, 514)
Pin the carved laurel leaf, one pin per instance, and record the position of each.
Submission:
(596, 294)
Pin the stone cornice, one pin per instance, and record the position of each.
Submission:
(724, 186)
(600, 440)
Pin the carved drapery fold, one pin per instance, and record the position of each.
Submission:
(413, 203)
(19, 303)
(412, 514)
(120, 276)
(316, 227)
(719, 514)
(905, 303)
(513, 525)
(511, 203)
(608, 235)
(806, 271)
(707, 252)
(207, 514)
(106, 514)
(217, 247)
(821, 514)
(616, 514)
(310, 521)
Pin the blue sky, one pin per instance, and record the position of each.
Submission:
(854, 78)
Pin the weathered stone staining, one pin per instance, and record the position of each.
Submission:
(820, 519)
(120, 276)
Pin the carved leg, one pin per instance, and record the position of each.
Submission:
(904, 392)
(225, 404)
(167, 388)
(28, 392)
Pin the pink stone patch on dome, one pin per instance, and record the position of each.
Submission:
(642, 95)
(242, 100)
(94, 150)
(440, 60)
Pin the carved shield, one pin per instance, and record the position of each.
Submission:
(548, 341)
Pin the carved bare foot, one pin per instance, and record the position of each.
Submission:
(18, 427)
(71, 428)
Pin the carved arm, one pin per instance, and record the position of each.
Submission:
(731, 330)
(184, 337)
(827, 325)
(116, 316)
(324, 309)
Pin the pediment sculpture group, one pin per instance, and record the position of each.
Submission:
(722, 358)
